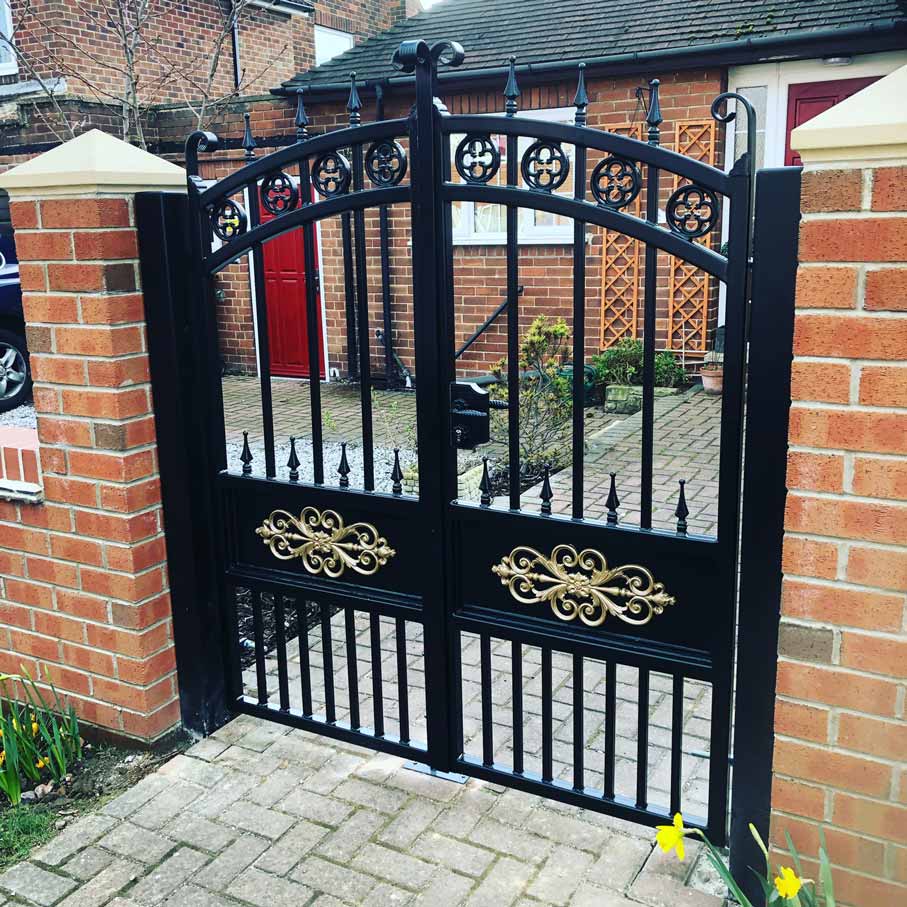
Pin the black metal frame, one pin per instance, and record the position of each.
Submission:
(440, 573)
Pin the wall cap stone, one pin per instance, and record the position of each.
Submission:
(93, 163)
(868, 126)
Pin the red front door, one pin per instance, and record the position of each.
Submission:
(285, 296)
(809, 99)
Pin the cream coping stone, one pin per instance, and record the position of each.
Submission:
(93, 163)
(868, 127)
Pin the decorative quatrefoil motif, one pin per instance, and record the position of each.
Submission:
(278, 193)
(228, 220)
(385, 163)
(331, 174)
(615, 182)
(477, 158)
(692, 211)
(545, 166)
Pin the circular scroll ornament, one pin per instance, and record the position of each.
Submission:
(228, 220)
(477, 158)
(545, 166)
(331, 174)
(278, 193)
(615, 182)
(692, 211)
(385, 163)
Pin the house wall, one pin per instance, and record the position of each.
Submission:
(545, 270)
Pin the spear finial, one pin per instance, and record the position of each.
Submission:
(581, 100)
(354, 104)
(246, 455)
(682, 511)
(547, 494)
(344, 468)
(485, 485)
(302, 118)
(293, 461)
(613, 501)
(511, 90)
(397, 474)
(248, 140)
(654, 117)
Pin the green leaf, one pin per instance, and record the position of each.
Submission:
(828, 885)
(793, 853)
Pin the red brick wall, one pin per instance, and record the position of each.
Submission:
(83, 579)
(545, 271)
(840, 721)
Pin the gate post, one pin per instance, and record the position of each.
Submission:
(777, 218)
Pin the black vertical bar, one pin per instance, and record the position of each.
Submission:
(487, 717)
(579, 337)
(261, 330)
(352, 666)
(513, 329)
(433, 327)
(516, 673)
(313, 324)
(648, 362)
(261, 675)
(579, 737)
(610, 727)
(327, 659)
(767, 408)
(365, 367)
(349, 290)
(402, 680)
(281, 643)
(374, 629)
(384, 231)
(676, 741)
(642, 741)
(547, 744)
(305, 669)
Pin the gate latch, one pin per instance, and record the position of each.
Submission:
(468, 415)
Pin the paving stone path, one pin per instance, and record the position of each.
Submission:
(261, 815)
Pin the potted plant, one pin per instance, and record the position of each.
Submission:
(712, 373)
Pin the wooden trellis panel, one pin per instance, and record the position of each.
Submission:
(620, 270)
(689, 288)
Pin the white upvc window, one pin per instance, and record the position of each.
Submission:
(481, 223)
(9, 65)
(330, 43)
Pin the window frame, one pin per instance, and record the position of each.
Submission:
(332, 32)
(466, 235)
(11, 66)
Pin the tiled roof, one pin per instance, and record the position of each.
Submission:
(548, 31)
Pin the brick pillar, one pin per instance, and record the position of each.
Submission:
(83, 579)
(841, 736)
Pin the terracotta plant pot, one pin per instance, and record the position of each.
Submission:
(712, 380)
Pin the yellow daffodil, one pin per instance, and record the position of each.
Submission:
(34, 729)
(40, 763)
(2, 756)
(788, 883)
(670, 837)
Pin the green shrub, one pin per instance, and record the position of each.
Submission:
(623, 364)
(39, 741)
(546, 397)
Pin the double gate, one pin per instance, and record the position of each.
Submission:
(531, 629)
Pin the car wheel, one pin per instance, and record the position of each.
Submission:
(15, 374)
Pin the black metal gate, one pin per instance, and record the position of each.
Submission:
(426, 572)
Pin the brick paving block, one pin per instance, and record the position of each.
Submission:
(166, 805)
(128, 802)
(281, 857)
(448, 889)
(423, 785)
(559, 877)
(73, 838)
(664, 891)
(247, 762)
(398, 868)
(342, 844)
(261, 736)
(234, 786)
(464, 813)
(25, 880)
(137, 843)
(620, 862)
(256, 819)
(208, 749)
(333, 773)
(169, 876)
(104, 885)
(195, 771)
(200, 833)
(300, 802)
(383, 895)
(274, 788)
(371, 795)
(457, 855)
(667, 864)
(223, 869)
(567, 830)
(513, 841)
(265, 890)
(503, 885)
(409, 823)
(342, 881)
(87, 863)
(191, 896)
(588, 895)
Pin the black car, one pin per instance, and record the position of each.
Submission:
(15, 372)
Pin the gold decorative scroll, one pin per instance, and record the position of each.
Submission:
(581, 585)
(324, 544)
